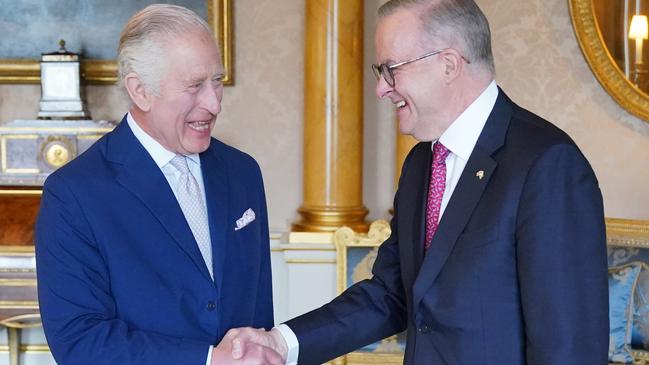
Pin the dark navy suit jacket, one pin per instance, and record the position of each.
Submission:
(516, 273)
(120, 277)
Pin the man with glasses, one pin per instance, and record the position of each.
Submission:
(497, 253)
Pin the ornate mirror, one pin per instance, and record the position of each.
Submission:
(613, 36)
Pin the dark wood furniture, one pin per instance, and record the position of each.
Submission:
(18, 296)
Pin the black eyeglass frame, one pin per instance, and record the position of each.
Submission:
(385, 69)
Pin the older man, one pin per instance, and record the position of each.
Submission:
(497, 254)
(154, 242)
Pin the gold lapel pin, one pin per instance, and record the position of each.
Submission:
(480, 174)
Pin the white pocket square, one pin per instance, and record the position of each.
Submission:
(247, 217)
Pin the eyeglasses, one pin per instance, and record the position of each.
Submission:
(385, 70)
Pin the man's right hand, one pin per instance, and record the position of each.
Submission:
(244, 338)
(239, 347)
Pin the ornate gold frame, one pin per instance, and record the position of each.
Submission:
(104, 72)
(627, 232)
(345, 238)
(602, 64)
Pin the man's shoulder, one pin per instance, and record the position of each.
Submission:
(239, 166)
(88, 165)
(531, 139)
(533, 130)
(231, 156)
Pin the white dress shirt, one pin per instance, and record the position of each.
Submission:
(460, 138)
(162, 158)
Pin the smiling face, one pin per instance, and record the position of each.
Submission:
(182, 115)
(419, 92)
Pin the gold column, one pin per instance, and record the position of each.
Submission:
(404, 144)
(333, 117)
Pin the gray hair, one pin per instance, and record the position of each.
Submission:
(141, 43)
(460, 23)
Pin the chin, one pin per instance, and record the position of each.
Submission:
(405, 129)
(202, 148)
(198, 147)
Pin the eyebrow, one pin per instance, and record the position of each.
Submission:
(194, 79)
(200, 78)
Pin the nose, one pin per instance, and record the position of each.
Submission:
(211, 97)
(382, 88)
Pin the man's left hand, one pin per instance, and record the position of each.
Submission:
(233, 351)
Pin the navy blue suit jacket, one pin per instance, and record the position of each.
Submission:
(120, 277)
(516, 273)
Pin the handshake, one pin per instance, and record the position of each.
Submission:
(249, 346)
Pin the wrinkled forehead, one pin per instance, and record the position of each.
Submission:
(193, 56)
(193, 35)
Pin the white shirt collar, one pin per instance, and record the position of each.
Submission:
(160, 155)
(462, 135)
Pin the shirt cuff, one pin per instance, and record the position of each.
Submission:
(291, 342)
(209, 355)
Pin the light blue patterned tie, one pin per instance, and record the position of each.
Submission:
(191, 203)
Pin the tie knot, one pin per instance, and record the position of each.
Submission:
(180, 163)
(440, 152)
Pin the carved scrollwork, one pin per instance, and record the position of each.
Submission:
(379, 231)
(598, 57)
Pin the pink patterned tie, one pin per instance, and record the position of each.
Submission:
(435, 190)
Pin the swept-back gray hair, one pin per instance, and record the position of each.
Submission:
(141, 44)
(459, 23)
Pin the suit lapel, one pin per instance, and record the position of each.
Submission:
(458, 211)
(412, 202)
(217, 193)
(139, 174)
(466, 195)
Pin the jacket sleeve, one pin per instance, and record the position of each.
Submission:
(77, 308)
(264, 307)
(562, 265)
(366, 312)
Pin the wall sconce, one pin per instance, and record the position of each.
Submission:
(638, 31)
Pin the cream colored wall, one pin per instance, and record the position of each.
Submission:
(262, 113)
(539, 65)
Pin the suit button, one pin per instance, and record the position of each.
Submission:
(424, 329)
(211, 305)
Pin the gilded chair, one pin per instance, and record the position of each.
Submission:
(18, 297)
(355, 255)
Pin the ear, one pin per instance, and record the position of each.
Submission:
(453, 64)
(137, 91)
